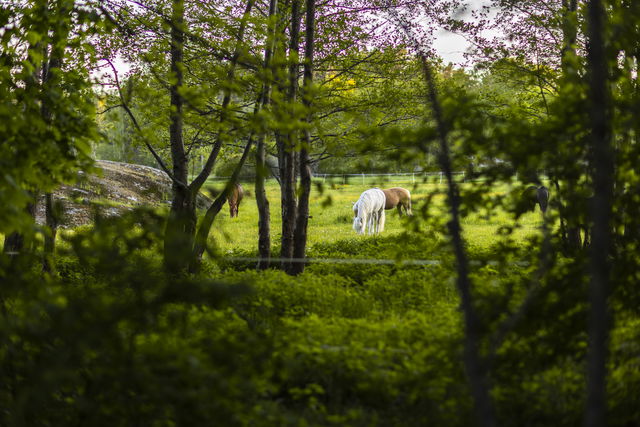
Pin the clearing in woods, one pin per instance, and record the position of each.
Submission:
(119, 187)
(332, 216)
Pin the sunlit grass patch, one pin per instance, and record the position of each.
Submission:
(331, 217)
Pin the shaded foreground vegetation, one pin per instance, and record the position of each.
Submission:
(113, 341)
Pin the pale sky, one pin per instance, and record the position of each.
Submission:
(451, 47)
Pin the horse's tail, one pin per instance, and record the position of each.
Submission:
(240, 192)
(381, 220)
(408, 205)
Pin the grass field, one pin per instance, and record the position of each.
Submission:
(331, 214)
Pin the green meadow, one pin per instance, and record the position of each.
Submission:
(331, 213)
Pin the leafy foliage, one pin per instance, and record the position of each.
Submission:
(29, 31)
(111, 339)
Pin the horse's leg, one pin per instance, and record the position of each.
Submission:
(381, 221)
(399, 209)
(364, 222)
(373, 223)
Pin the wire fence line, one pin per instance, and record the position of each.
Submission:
(364, 177)
(413, 177)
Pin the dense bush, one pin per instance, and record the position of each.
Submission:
(112, 340)
(116, 342)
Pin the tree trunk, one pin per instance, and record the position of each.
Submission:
(51, 220)
(181, 243)
(600, 210)
(50, 79)
(181, 224)
(288, 201)
(180, 231)
(264, 215)
(475, 367)
(262, 170)
(302, 217)
(287, 145)
(570, 224)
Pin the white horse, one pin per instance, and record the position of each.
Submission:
(368, 212)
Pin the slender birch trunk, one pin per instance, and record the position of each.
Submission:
(476, 368)
(288, 142)
(262, 170)
(50, 79)
(181, 224)
(302, 217)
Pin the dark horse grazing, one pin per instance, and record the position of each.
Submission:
(536, 195)
(234, 199)
(400, 198)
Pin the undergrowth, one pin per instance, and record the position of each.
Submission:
(111, 340)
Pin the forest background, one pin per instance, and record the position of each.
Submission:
(140, 319)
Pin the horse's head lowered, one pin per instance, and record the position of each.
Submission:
(358, 224)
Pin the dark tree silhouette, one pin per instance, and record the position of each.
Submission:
(602, 178)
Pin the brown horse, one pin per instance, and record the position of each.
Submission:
(400, 198)
(234, 199)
